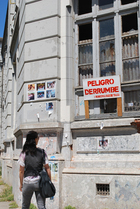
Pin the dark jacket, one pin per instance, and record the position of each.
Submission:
(33, 164)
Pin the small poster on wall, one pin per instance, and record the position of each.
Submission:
(51, 84)
(50, 93)
(54, 171)
(40, 86)
(40, 94)
(103, 143)
(31, 87)
(49, 106)
(31, 96)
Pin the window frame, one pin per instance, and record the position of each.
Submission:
(97, 15)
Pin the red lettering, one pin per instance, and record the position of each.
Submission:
(86, 91)
(111, 81)
(107, 90)
(116, 89)
(89, 83)
(94, 83)
(102, 82)
(94, 91)
(90, 91)
(112, 89)
(107, 82)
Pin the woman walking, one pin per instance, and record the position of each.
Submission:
(31, 162)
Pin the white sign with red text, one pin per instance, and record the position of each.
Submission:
(102, 88)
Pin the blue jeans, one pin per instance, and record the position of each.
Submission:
(27, 193)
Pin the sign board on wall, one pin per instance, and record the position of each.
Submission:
(102, 87)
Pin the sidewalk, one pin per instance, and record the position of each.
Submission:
(4, 205)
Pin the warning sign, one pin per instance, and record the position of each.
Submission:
(102, 88)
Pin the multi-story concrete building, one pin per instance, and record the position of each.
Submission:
(49, 48)
(1, 144)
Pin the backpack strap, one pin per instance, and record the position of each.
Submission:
(43, 151)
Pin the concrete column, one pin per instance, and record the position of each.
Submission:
(118, 45)
(139, 31)
(67, 63)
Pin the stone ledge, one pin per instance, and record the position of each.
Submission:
(9, 165)
(51, 126)
(102, 171)
(5, 158)
(106, 123)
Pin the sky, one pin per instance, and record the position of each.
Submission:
(3, 9)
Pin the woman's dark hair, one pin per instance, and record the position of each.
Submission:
(30, 145)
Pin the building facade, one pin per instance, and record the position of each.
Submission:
(49, 47)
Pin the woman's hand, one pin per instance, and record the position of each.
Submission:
(20, 188)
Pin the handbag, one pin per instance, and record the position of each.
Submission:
(47, 188)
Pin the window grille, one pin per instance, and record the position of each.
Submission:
(132, 101)
(103, 189)
(130, 50)
(85, 52)
(107, 47)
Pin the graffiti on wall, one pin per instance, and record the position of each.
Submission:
(127, 192)
(48, 142)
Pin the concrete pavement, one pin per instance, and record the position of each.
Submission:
(4, 205)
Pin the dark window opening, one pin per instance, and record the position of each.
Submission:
(85, 32)
(104, 4)
(85, 72)
(106, 28)
(85, 52)
(108, 105)
(103, 189)
(19, 142)
(132, 101)
(84, 7)
(128, 1)
(13, 145)
(129, 23)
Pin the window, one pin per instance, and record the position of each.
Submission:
(85, 52)
(96, 46)
(108, 105)
(129, 23)
(84, 8)
(130, 52)
(103, 189)
(132, 101)
(128, 1)
(104, 4)
(107, 48)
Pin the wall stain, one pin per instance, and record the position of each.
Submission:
(127, 192)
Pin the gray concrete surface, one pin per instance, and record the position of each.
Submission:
(4, 205)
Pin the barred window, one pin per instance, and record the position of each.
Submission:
(85, 52)
(103, 189)
(130, 52)
(132, 101)
(107, 47)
